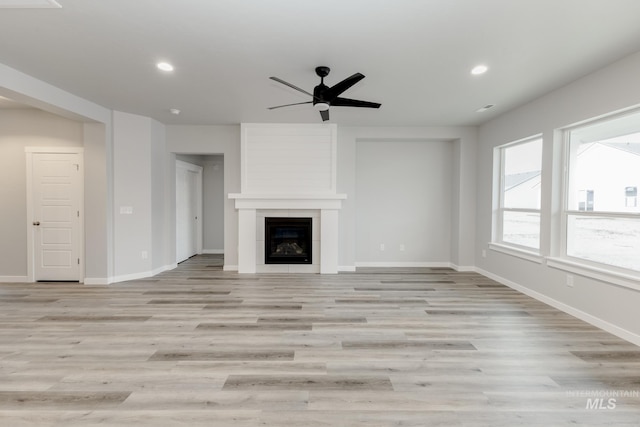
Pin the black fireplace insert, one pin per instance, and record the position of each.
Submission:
(287, 241)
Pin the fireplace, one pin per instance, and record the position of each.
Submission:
(288, 171)
(287, 240)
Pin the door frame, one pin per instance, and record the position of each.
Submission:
(29, 152)
(198, 170)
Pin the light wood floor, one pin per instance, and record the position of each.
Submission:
(197, 346)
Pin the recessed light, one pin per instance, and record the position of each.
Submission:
(479, 69)
(174, 111)
(164, 66)
(485, 108)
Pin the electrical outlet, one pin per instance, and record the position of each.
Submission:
(144, 254)
(382, 246)
(484, 253)
(402, 248)
(570, 280)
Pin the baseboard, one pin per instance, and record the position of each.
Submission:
(143, 275)
(164, 268)
(95, 281)
(593, 320)
(463, 268)
(402, 264)
(14, 279)
(213, 251)
(230, 268)
(347, 268)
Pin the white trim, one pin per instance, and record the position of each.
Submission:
(347, 268)
(31, 4)
(95, 281)
(593, 320)
(164, 268)
(132, 276)
(463, 268)
(213, 251)
(199, 171)
(143, 275)
(230, 268)
(285, 201)
(499, 209)
(517, 252)
(403, 264)
(14, 279)
(601, 274)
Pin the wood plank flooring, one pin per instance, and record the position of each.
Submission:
(197, 346)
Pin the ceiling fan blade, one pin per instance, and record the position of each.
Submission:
(291, 86)
(346, 102)
(325, 115)
(289, 105)
(335, 90)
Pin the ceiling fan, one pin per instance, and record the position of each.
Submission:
(325, 96)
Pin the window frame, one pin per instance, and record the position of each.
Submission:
(573, 263)
(498, 235)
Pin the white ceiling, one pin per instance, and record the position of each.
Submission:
(416, 54)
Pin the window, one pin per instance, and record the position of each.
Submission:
(518, 214)
(601, 215)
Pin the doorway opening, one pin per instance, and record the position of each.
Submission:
(200, 205)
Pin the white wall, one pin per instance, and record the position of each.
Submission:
(20, 129)
(461, 164)
(404, 202)
(610, 89)
(139, 187)
(98, 203)
(214, 202)
(159, 252)
(131, 190)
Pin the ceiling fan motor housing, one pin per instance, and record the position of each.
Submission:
(318, 92)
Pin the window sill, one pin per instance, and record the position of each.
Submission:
(620, 279)
(517, 252)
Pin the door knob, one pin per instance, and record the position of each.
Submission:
(36, 222)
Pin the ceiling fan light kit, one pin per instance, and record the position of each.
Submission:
(324, 97)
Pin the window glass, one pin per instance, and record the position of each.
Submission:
(602, 211)
(606, 240)
(520, 178)
(522, 170)
(521, 228)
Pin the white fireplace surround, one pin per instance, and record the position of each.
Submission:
(288, 170)
(248, 215)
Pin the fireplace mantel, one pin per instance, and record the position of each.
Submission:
(287, 201)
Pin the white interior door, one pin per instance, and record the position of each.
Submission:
(56, 192)
(188, 207)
